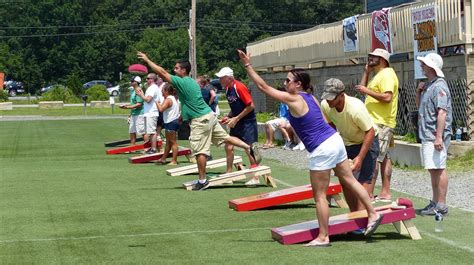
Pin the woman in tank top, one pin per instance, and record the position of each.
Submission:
(171, 114)
(325, 146)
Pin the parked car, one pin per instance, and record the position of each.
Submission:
(48, 88)
(89, 84)
(14, 87)
(114, 91)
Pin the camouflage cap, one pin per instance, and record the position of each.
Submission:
(332, 88)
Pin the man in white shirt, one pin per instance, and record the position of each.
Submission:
(152, 94)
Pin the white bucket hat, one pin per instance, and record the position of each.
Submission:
(381, 53)
(434, 61)
(226, 71)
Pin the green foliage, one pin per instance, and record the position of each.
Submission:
(74, 83)
(264, 117)
(409, 137)
(60, 93)
(3, 95)
(97, 92)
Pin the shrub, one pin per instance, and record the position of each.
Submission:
(264, 117)
(97, 92)
(3, 95)
(74, 83)
(60, 93)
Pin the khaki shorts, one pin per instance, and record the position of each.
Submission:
(132, 125)
(204, 131)
(147, 125)
(385, 141)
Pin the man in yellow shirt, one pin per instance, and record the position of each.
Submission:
(381, 102)
(350, 117)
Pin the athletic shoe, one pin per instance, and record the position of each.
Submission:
(441, 208)
(287, 146)
(151, 151)
(255, 153)
(428, 210)
(252, 182)
(201, 186)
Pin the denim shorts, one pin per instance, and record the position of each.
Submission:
(368, 164)
(172, 126)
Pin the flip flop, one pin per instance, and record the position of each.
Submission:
(267, 146)
(372, 227)
(316, 243)
(159, 162)
(382, 199)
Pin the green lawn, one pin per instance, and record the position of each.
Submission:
(66, 111)
(63, 200)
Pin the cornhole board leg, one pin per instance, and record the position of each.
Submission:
(269, 180)
(154, 157)
(191, 169)
(273, 198)
(339, 224)
(401, 228)
(121, 142)
(232, 176)
(411, 228)
(339, 201)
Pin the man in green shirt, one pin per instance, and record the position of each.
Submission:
(136, 110)
(205, 128)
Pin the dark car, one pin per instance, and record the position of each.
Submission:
(48, 88)
(89, 84)
(217, 84)
(14, 87)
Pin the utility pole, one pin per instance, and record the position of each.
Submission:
(192, 39)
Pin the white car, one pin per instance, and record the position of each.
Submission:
(114, 91)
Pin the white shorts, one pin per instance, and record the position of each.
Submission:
(140, 125)
(433, 159)
(275, 123)
(328, 154)
(149, 125)
(132, 126)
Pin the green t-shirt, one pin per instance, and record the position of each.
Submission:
(134, 99)
(189, 93)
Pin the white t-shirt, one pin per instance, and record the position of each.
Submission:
(150, 109)
(172, 113)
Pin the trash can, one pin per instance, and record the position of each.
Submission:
(414, 124)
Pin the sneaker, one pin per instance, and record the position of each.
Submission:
(428, 210)
(252, 182)
(287, 146)
(201, 186)
(441, 208)
(151, 151)
(256, 154)
(298, 146)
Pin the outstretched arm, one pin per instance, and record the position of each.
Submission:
(261, 84)
(160, 71)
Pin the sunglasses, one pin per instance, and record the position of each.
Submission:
(149, 78)
(288, 80)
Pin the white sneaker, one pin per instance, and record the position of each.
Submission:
(252, 182)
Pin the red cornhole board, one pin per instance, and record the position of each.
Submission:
(398, 214)
(157, 156)
(278, 197)
(129, 148)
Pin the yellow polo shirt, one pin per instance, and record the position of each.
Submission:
(352, 122)
(385, 80)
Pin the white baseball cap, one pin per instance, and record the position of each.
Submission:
(434, 61)
(136, 79)
(381, 53)
(226, 71)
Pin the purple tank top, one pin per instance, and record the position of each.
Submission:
(311, 128)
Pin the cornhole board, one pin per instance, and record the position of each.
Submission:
(121, 142)
(237, 175)
(191, 169)
(399, 214)
(129, 148)
(278, 197)
(157, 156)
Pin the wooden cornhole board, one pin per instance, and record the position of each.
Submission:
(129, 148)
(121, 142)
(237, 175)
(157, 156)
(191, 169)
(278, 197)
(399, 214)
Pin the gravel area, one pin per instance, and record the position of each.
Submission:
(413, 182)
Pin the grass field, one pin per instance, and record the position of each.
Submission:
(63, 200)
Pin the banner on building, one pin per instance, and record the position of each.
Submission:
(425, 39)
(381, 33)
(350, 36)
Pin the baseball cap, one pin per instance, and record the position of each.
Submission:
(381, 53)
(136, 79)
(332, 88)
(434, 61)
(226, 71)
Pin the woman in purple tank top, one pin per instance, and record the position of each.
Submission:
(325, 146)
